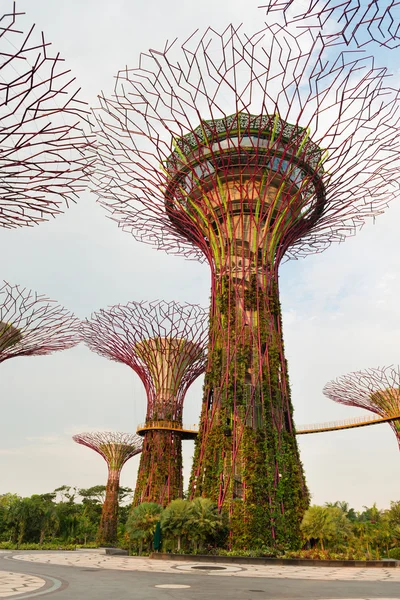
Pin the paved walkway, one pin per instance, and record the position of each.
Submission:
(95, 560)
(18, 583)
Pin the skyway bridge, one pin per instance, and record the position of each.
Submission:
(191, 431)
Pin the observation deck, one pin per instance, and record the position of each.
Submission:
(190, 432)
(186, 432)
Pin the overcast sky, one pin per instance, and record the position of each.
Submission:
(340, 309)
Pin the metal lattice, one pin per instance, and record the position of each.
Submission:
(45, 156)
(242, 151)
(164, 343)
(116, 448)
(32, 324)
(344, 20)
(377, 390)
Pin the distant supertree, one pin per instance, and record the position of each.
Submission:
(377, 390)
(116, 448)
(242, 154)
(164, 343)
(346, 20)
(33, 324)
(44, 157)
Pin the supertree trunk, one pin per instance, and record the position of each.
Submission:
(108, 529)
(164, 343)
(246, 457)
(160, 471)
(116, 448)
(242, 151)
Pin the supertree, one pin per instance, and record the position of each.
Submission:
(116, 448)
(293, 149)
(33, 324)
(346, 20)
(44, 154)
(377, 390)
(164, 343)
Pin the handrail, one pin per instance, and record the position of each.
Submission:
(169, 425)
(301, 430)
(345, 424)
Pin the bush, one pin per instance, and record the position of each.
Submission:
(318, 554)
(394, 553)
(11, 546)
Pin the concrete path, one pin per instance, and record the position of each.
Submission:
(135, 563)
(93, 576)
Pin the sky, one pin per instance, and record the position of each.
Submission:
(340, 308)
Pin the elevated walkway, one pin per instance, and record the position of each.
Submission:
(190, 432)
(345, 424)
(187, 432)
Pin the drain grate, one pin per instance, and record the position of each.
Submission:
(209, 568)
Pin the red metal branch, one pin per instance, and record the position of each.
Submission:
(45, 156)
(345, 20)
(116, 448)
(377, 390)
(33, 324)
(163, 342)
(340, 101)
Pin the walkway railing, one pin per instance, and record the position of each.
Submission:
(345, 424)
(168, 425)
(301, 430)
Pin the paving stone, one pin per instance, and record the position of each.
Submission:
(102, 561)
(17, 583)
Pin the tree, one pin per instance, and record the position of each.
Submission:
(325, 523)
(175, 520)
(205, 521)
(142, 522)
(344, 506)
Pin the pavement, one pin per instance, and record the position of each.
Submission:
(96, 576)
(12, 583)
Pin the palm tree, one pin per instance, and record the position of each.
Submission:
(325, 523)
(205, 521)
(175, 520)
(141, 523)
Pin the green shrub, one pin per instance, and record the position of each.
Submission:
(394, 553)
(50, 546)
(319, 554)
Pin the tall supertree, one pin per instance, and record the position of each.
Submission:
(164, 343)
(44, 154)
(356, 21)
(116, 448)
(33, 324)
(241, 154)
(377, 390)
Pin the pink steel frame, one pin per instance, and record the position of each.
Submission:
(32, 324)
(45, 156)
(377, 390)
(164, 343)
(116, 448)
(347, 20)
(333, 126)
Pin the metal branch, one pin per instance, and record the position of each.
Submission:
(377, 390)
(32, 324)
(345, 20)
(164, 343)
(116, 448)
(339, 102)
(45, 156)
